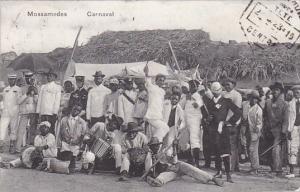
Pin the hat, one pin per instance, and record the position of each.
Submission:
(114, 81)
(46, 123)
(277, 85)
(201, 88)
(154, 141)
(12, 76)
(99, 74)
(133, 127)
(255, 94)
(28, 74)
(296, 87)
(216, 87)
(79, 78)
(231, 80)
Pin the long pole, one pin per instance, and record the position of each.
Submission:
(75, 43)
(173, 53)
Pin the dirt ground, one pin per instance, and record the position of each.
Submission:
(26, 180)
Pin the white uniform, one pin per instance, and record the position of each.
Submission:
(154, 114)
(49, 99)
(193, 117)
(11, 97)
(125, 107)
(95, 102)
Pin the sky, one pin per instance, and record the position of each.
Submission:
(22, 33)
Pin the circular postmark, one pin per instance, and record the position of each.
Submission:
(270, 22)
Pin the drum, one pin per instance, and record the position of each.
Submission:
(101, 148)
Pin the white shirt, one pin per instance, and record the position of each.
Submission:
(255, 118)
(236, 98)
(49, 99)
(190, 109)
(49, 140)
(125, 107)
(11, 96)
(95, 102)
(155, 101)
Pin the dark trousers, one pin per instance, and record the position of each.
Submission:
(51, 119)
(32, 130)
(234, 145)
(206, 147)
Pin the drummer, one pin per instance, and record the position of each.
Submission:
(73, 129)
(109, 132)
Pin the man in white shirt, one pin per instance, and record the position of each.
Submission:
(126, 102)
(95, 103)
(154, 114)
(236, 98)
(9, 118)
(49, 100)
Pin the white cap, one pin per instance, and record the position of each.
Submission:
(12, 76)
(216, 87)
(46, 123)
(114, 81)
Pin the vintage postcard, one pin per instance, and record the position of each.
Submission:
(150, 95)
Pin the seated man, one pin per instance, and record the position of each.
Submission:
(134, 151)
(73, 129)
(168, 168)
(44, 147)
(109, 132)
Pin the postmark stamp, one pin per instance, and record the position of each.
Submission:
(270, 22)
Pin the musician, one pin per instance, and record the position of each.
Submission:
(133, 139)
(109, 132)
(169, 169)
(220, 138)
(79, 96)
(126, 101)
(73, 128)
(174, 116)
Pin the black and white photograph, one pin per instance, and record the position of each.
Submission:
(150, 96)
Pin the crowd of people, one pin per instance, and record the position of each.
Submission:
(140, 126)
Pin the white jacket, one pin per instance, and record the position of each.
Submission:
(49, 99)
(292, 114)
(125, 107)
(95, 102)
(11, 100)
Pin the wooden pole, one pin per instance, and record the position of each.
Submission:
(75, 43)
(173, 53)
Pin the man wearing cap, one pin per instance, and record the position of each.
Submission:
(28, 116)
(236, 98)
(131, 140)
(79, 96)
(220, 136)
(294, 127)
(126, 101)
(277, 120)
(95, 103)
(49, 100)
(111, 100)
(9, 118)
(255, 121)
(193, 118)
(156, 96)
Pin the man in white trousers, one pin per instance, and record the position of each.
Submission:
(154, 114)
(9, 118)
